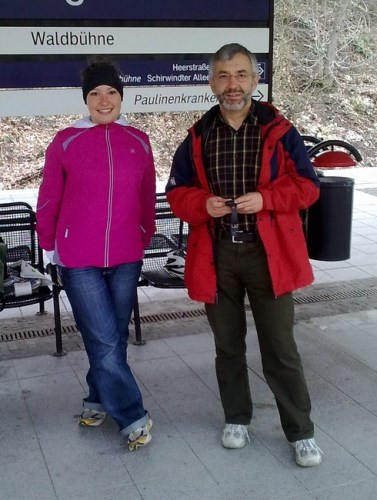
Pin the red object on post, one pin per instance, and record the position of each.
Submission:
(333, 159)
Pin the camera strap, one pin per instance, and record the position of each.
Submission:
(234, 224)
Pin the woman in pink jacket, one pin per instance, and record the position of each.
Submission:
(95, 217)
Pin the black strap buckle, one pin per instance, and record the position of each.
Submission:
(234, 223)
(234, 236)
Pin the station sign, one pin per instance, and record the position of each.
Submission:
(144, 10)
(162, 53)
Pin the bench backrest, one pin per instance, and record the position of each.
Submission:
(17, 228)
(171, 234)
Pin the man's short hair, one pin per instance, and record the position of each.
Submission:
(230, 50)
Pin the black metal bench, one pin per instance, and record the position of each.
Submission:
(170, 235)
(18, 231)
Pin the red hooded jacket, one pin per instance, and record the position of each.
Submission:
(287, 183)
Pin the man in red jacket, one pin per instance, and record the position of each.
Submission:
(240, 179)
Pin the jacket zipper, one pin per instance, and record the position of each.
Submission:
(110, 197)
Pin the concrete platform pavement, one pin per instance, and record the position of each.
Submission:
(45, 455)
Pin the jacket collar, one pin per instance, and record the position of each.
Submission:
(87, 123)
(265, 112)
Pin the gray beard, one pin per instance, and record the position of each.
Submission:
(235, 106)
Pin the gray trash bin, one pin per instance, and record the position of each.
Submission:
(329, 220)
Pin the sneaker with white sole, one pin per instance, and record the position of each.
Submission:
(92, 418)
(235, 436)
(307, 453)
(141, 436)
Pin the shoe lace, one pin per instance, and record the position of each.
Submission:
(238, 429)
(308, 445)
(138, 433)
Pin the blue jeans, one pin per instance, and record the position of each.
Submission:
(102, 300)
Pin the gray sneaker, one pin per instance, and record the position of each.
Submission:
(92, 418)
(235, 436)
(141, 436)
(307, 453)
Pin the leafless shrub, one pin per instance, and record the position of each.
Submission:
(320, 41)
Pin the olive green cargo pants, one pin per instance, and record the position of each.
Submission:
(242, 269)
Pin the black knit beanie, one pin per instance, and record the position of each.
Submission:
(100, 73)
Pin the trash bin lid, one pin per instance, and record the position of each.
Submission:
(335, 182)
(332, 159)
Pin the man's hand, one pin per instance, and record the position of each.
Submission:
(216, 206)
(249, 203)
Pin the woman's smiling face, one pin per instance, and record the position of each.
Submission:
(104, 104)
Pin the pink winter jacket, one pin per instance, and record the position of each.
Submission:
(97, 198)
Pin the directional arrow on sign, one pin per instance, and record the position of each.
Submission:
(258, 96)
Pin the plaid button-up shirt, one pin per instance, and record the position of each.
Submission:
(232, 159)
